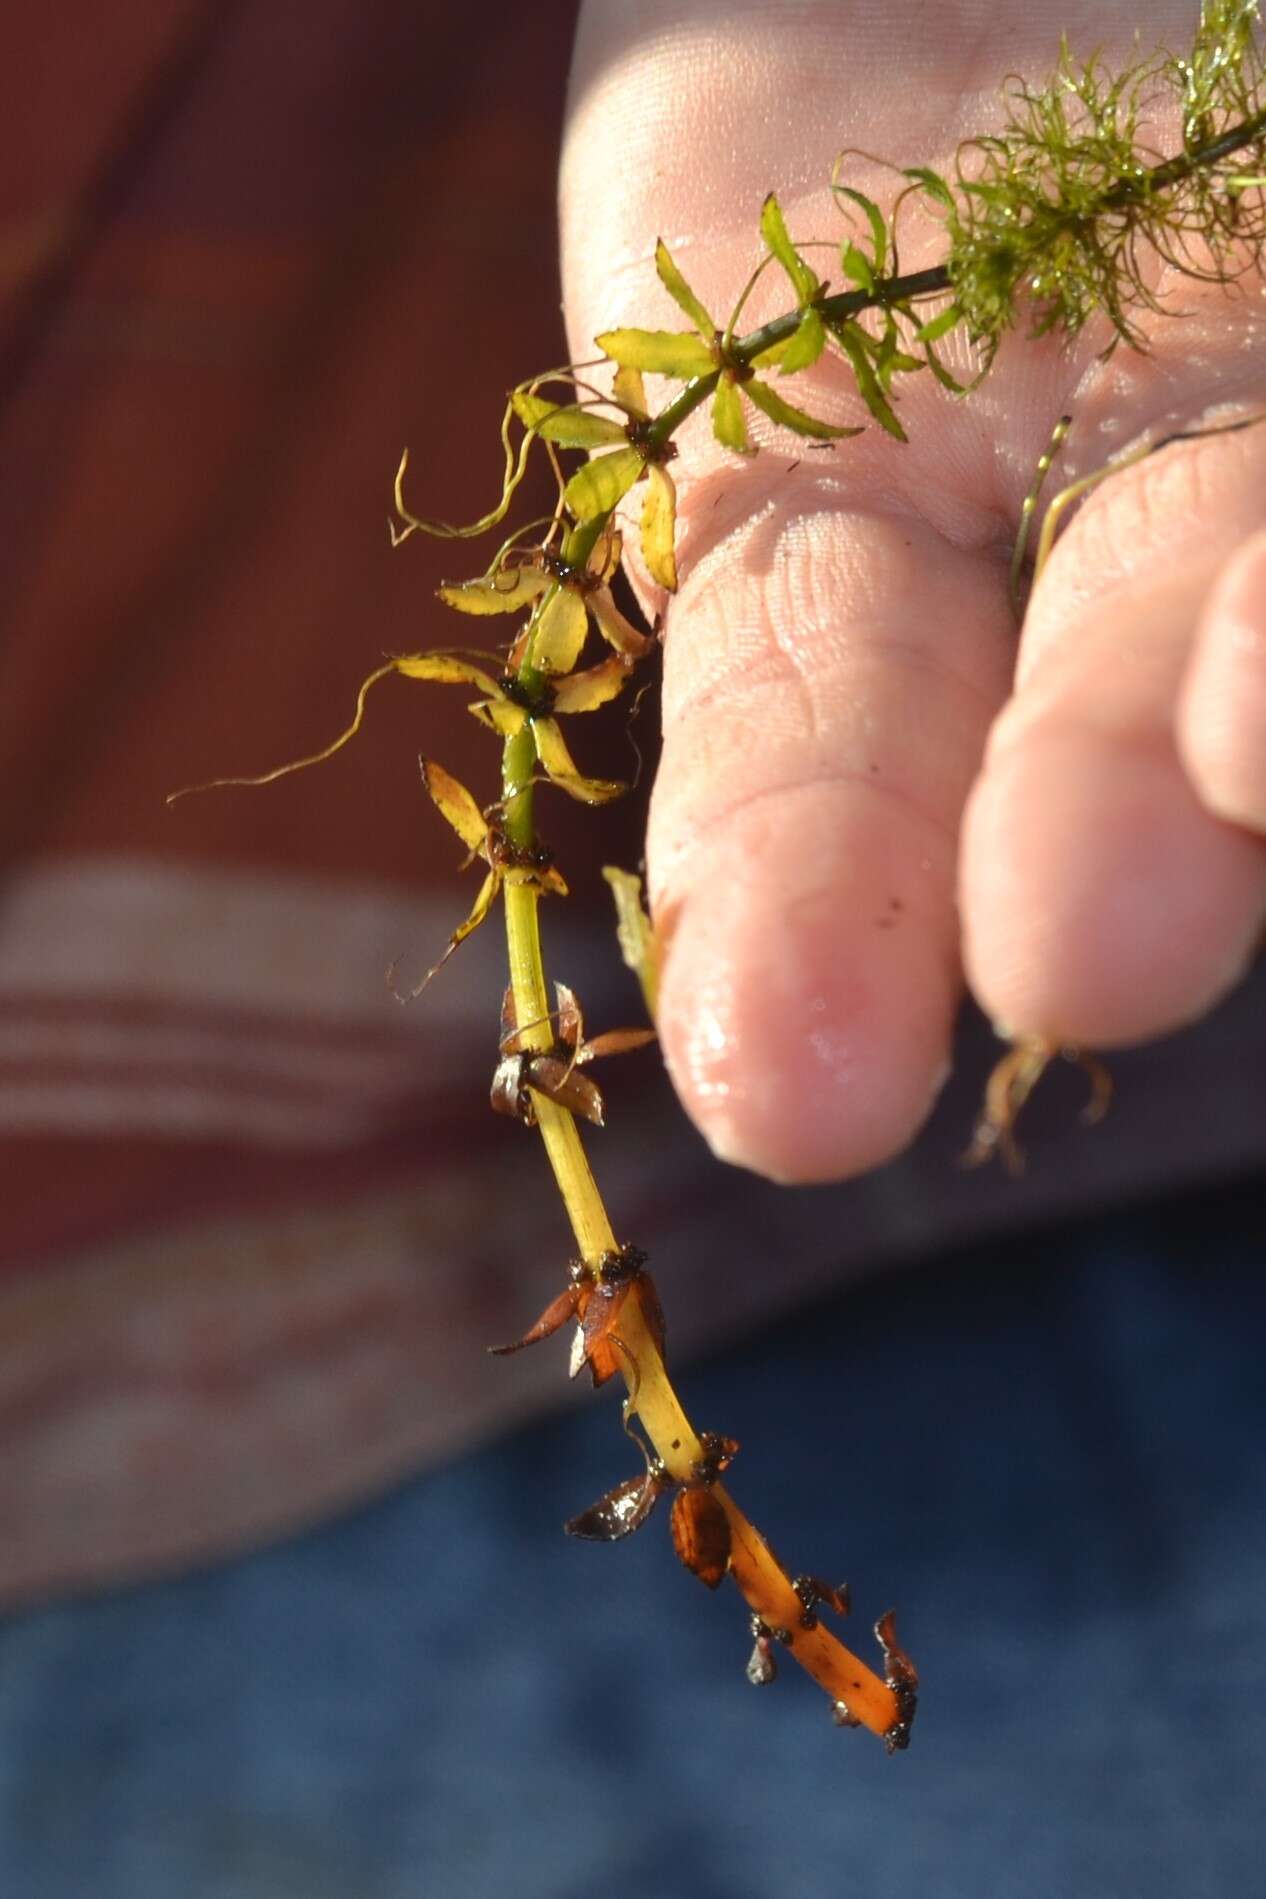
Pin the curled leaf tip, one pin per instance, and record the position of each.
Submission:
(296, 764)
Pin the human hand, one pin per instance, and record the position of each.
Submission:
(866, 788)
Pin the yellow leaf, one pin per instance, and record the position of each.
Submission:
(608, 554)
(585, 692)
(454, 802)
(615, 628)
(630, 391)
(662, 352)
(479, 910)
(659, 527)
(483, 903)
(602, 482)
(499, 715)
(560, 631)
(546, 878)
(508, 591)
(446, 670)
(639, 945)
(560, 769)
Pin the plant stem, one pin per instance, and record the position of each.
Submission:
(760, 1577)
(937, 279)
(1172, 171)
(761, 1580)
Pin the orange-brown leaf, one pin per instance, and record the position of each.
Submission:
(615, 1042)
(573, 1091)
(556, 1314)
(599, 1343)
(701, 1535)
(620, 1511)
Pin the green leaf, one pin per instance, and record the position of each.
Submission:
(581, 428)
(940, 325)
(728, 422)
(944, 377)
(878, 229)
(570, 427)
(932, 183)
(774, 231)
(849, 337)
(788, 416)
(507, 591)
(770, 358)
(560, 631)
(662, 352)
(855, 267)
(890, 359)
(602, 482)
(659, 528)
(532, 410)
(806, 345)
(681, 293)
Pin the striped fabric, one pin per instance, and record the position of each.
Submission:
(256, 1224)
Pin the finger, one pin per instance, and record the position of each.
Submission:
(830, 674)
(832, 662)
(1102, 901)
(1222, 714)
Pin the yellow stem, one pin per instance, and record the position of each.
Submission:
(761, 1580)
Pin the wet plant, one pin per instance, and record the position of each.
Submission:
(1053, 223)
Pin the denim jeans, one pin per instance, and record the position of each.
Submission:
(1049, 1453)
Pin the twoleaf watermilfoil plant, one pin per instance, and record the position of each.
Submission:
(1049, 224)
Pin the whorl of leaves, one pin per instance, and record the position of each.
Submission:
(1064, 206)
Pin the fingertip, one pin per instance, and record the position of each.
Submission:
(805, 1020)
(1102, 905)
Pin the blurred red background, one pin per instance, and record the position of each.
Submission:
(256, 1226)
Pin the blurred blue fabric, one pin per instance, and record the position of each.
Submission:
(1050, 1454)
